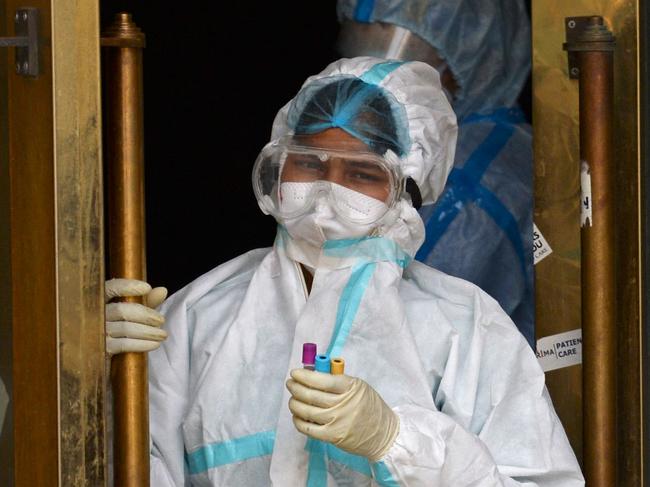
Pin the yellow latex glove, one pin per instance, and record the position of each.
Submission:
(133, 327)
(342, 410)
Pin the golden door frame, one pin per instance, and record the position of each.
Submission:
(54, 269)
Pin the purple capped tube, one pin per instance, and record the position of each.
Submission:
(308, 355)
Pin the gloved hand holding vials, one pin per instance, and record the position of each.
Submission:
(344, 411)
(341, 410)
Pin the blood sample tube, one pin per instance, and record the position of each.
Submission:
(337, 366)
(323, 363)
(308, 355)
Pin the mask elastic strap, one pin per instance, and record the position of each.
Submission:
(413, 190)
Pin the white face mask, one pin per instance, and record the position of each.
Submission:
(323, 221)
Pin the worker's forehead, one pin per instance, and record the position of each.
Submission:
(334, 138)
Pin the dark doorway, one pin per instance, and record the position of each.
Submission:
(214, 79)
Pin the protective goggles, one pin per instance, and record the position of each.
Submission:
(289, 178)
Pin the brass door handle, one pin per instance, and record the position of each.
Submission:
(25, 42)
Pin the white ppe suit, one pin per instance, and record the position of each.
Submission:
(468, 391)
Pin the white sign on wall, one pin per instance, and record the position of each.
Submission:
(561, 350)
(541, 248)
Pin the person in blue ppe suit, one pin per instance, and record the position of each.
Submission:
(481, 227)
(440, 386)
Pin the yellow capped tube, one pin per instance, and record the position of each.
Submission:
(337, 366)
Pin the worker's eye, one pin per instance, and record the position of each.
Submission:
(365, 176)
(364, 172)
(308, 163)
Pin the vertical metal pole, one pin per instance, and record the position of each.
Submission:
(644, 80)
(594, 49)
(122, 54)
(598, 271)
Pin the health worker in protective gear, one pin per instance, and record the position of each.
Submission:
(440, 387)
(481, 227)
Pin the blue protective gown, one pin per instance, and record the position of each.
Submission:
(481, 227)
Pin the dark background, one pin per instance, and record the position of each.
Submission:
(214, 79)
